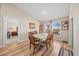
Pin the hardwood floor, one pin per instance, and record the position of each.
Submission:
(22, 49)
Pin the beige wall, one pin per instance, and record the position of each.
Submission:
(10, 12)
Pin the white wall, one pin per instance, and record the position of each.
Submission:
(9, 11)
(74, 13)
(1, 28)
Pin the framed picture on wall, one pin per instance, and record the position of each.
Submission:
(65, 25)
(31, 25)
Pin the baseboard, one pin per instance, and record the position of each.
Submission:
(1, 46)
(22, 40)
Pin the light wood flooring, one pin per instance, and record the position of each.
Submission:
(22, 49)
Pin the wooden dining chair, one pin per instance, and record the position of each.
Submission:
(48, 40)
(33, 41)
(52, 37)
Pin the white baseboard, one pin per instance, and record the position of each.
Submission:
(1, 46)
(21, 40)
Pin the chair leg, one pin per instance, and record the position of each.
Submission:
(34, 49)
(71, 53)
(62, 51)
(46, 45)
(49, 44)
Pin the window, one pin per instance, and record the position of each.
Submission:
(56, 27)
(47, 26)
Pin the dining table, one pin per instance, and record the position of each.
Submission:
(41, 37)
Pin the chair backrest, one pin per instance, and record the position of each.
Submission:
(49, 36)
(52, 37)
(33, 32)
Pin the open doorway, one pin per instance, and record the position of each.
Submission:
(56, 28)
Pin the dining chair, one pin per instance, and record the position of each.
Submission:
(52, 37)
(48, 40)
(33, 42)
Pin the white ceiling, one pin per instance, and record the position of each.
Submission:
(49, 10)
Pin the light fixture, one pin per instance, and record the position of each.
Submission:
(43, 12)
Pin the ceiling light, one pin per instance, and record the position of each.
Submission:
(43, 12)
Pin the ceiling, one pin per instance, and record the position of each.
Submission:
(45, 11)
